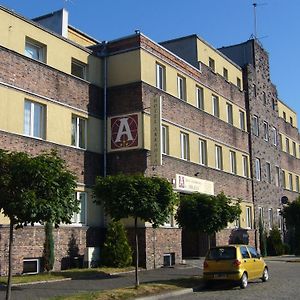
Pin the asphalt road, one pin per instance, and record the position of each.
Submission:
(283, 284)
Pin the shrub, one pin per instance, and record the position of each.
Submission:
(274, 242)
(116, 250)
(262, 239)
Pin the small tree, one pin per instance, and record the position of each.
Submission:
(34, 190)
(116, 250)
(274, 242)
(148, 198)
(206, 213)
(291, 213)
(262, 239)
(48, 255)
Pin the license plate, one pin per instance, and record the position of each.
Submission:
(220, 276)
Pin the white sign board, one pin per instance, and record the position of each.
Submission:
(192, 185)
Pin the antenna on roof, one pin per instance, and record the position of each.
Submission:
(255, 4)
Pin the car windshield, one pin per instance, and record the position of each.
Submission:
(222, 253)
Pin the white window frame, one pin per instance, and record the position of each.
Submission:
(257, 169)
(274, 130)
(242, 120)
(160, 76)
(245, 166)
(261, 214)
(76, 143)
(277, 176)
(279, 219)
(203, 152)
(232, 158)
(255, 125)
(248, 217)
(266, 131)
(29, 128)
(229, 110)
(181, 87)
(38, 265)
(291, 184)
(164, 139)
(38, 47)
(218, 157)
(81, 65)
(297, 184)
(184, 146)
(77, 217)
(215, 106)
(268, 172)
(200, 97)
(212, 64)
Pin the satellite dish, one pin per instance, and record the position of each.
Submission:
(284, 200)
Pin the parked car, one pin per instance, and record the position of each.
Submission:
(238, 263)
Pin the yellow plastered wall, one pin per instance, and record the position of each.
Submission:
(289, 113)
(80, 39)
(287, 179)
(3, 219)
(124, 68)
(148, 68)
(204, 52)
(284, 145)
(174, 147)
(59, 53)
(58, 119)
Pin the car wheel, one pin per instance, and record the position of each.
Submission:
(244, 281)
(265, 275)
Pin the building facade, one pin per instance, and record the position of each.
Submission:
(208, 120)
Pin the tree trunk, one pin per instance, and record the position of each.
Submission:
(11, 237)
(208, 241)
(137, 283)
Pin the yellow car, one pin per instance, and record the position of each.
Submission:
(238, 263)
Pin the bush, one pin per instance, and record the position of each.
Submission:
(274, 243)
(116, 250)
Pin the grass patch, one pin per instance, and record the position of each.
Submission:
(145, 289)
(71, 273)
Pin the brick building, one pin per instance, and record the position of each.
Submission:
(218, 122)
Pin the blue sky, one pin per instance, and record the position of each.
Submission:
(219, 22)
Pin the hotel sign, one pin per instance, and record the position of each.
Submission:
(192, 185)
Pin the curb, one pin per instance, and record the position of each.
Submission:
(38, 282)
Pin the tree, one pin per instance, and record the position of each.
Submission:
(116, 250)
(35, 190)
(291, 213)
(48, 255)
(148, 198)
(274, 242)
(206, 213)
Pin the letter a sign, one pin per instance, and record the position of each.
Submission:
(124, 132)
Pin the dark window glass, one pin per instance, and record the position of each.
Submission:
(222, 253)
(244, 252)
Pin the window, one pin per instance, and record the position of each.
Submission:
(245, 166)
(248, 217)
(291, 121)
(266, 131)
(215, 105)
(242, 120)
(78, 69)
(31, 266)
(237, 222)
(255, 125)
(254, 90)
(253, 252)
(181, 88)
(165, 140)
(184, 146)
(160, 77)
(283, 181)
(287, 144)
(257, 169)
(239, 83)
(200, 97)
(274, 136)
(279, 219)
(225, 73)
(78, 132)
(80, 217)
(270, 215)
(294, 148)
(35, 50)
(268, 172)
(264, 98)
(277, 177)
(218, 158)
(211, 64)
(229, 113)
(291, 186)
(34, 119)
(273, 104)
(297, 184)
(261, 214)
(232, 157)
(244, 252)
(280, 140)
(284, 115)
(202, 152)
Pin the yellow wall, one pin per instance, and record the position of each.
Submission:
(3, 219)
(148, 68)
(58, 119)
(80, 39)
(13, 32)
(289, 113)
(204, 52)
(287, 182)
(284, 145)
(242, 218)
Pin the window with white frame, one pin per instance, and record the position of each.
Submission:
(270, 218)
(164, 139)
(211, 64)
(291, 185)
(292, 121)
(257, 169)
(34, 119)
(279, 219)
(239, 83)
(218, 157)
(268, 172)
(78, 138)
(266, 131)
(281, 141)
(287, 145)
(297, 184)
(255, 125)
(215, 106)
(277, 176)
(81, 216)
(283, 181)
(35, 50)
(232, 158)
(184, 146)
(248, 217)
(225, 73)
(181, 87)
(294, 148)
(261, 214)
(284, 115)
(78, 69)
(200, 97)
(229, 113)
(245, 166)
(242, 120)
(202, 152)
(274, 136)
(160, 76)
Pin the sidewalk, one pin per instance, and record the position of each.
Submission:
(51, 289)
